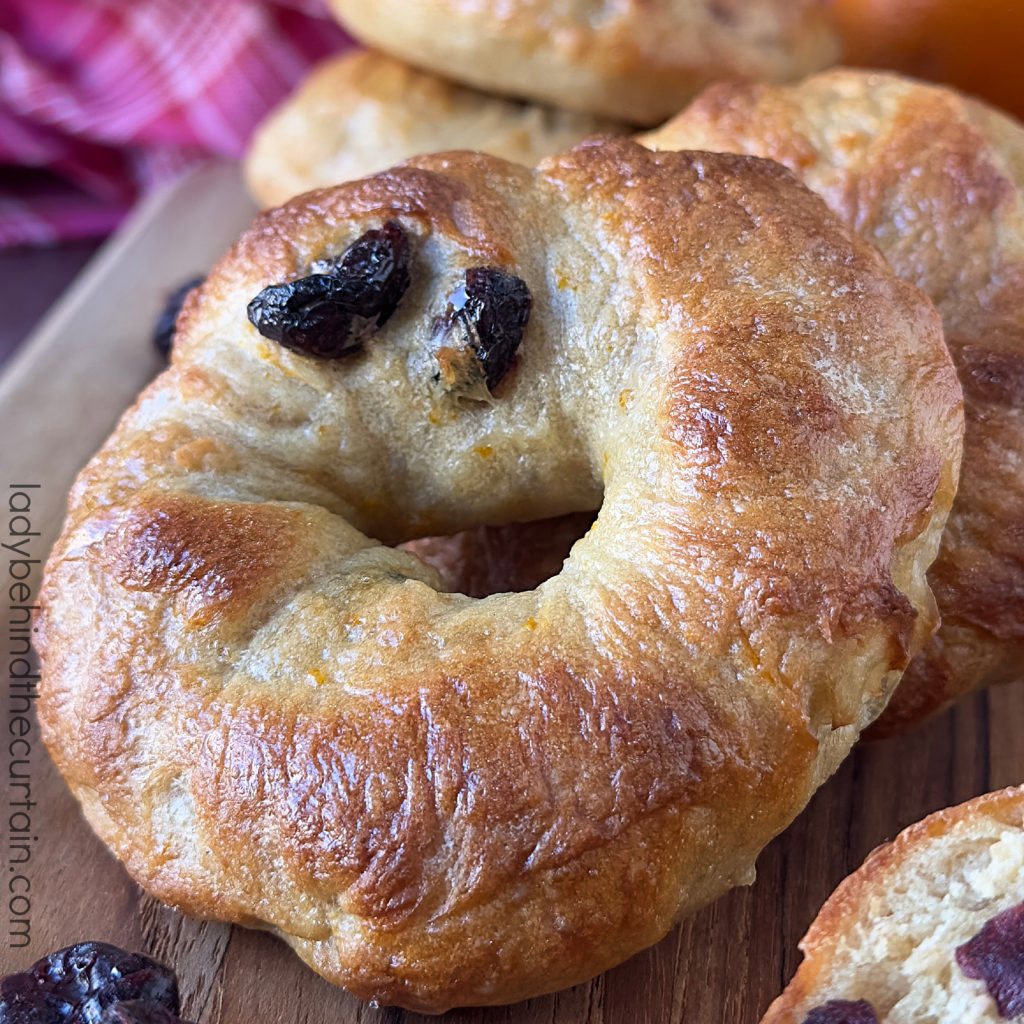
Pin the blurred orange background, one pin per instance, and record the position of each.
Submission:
(973, 44)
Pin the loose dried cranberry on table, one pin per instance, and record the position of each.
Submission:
(842, 1011)
(163, 332)
(330, 313)
(996, 956)
(482, 328)
(78, 984)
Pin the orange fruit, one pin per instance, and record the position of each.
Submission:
(974, 45)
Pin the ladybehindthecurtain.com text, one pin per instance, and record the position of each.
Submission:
(21, 546)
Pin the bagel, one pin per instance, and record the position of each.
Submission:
(635, 60)
(934, 179)
(929, 928)
(362, 112)
(274, 718)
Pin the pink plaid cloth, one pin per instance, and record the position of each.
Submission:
(102, 99)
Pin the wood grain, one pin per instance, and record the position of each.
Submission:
(722, 966)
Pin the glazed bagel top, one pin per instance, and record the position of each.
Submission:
(934, 179)
(362, 112)
(638, 60)
(273, 718)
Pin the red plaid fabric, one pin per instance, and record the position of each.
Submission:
(101, 99)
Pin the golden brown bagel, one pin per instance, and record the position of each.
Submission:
(362, 112)
(636, 60)
(274, 719)
(888, 936)
(934, 180)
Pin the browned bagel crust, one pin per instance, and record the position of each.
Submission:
(275, 720)
(935, 181)
(904, 892)
(636, 60)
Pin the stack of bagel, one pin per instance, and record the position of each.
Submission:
(521, 533)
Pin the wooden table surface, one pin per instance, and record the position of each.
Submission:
(722, 966)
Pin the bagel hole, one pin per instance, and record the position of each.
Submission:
(515, 557)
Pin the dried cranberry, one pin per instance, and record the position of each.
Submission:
(842, 1011)
(24, 1001)
(376, 269)
(996, 956)
(163, 332)
(74, 985)
(329, 314)
(487, 315)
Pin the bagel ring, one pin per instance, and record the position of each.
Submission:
(635, 60)
(362, 111)
(276, 720)
(935, 180)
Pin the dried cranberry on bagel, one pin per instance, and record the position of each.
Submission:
(273, 717)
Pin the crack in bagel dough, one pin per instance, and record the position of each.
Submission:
(273, 718)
